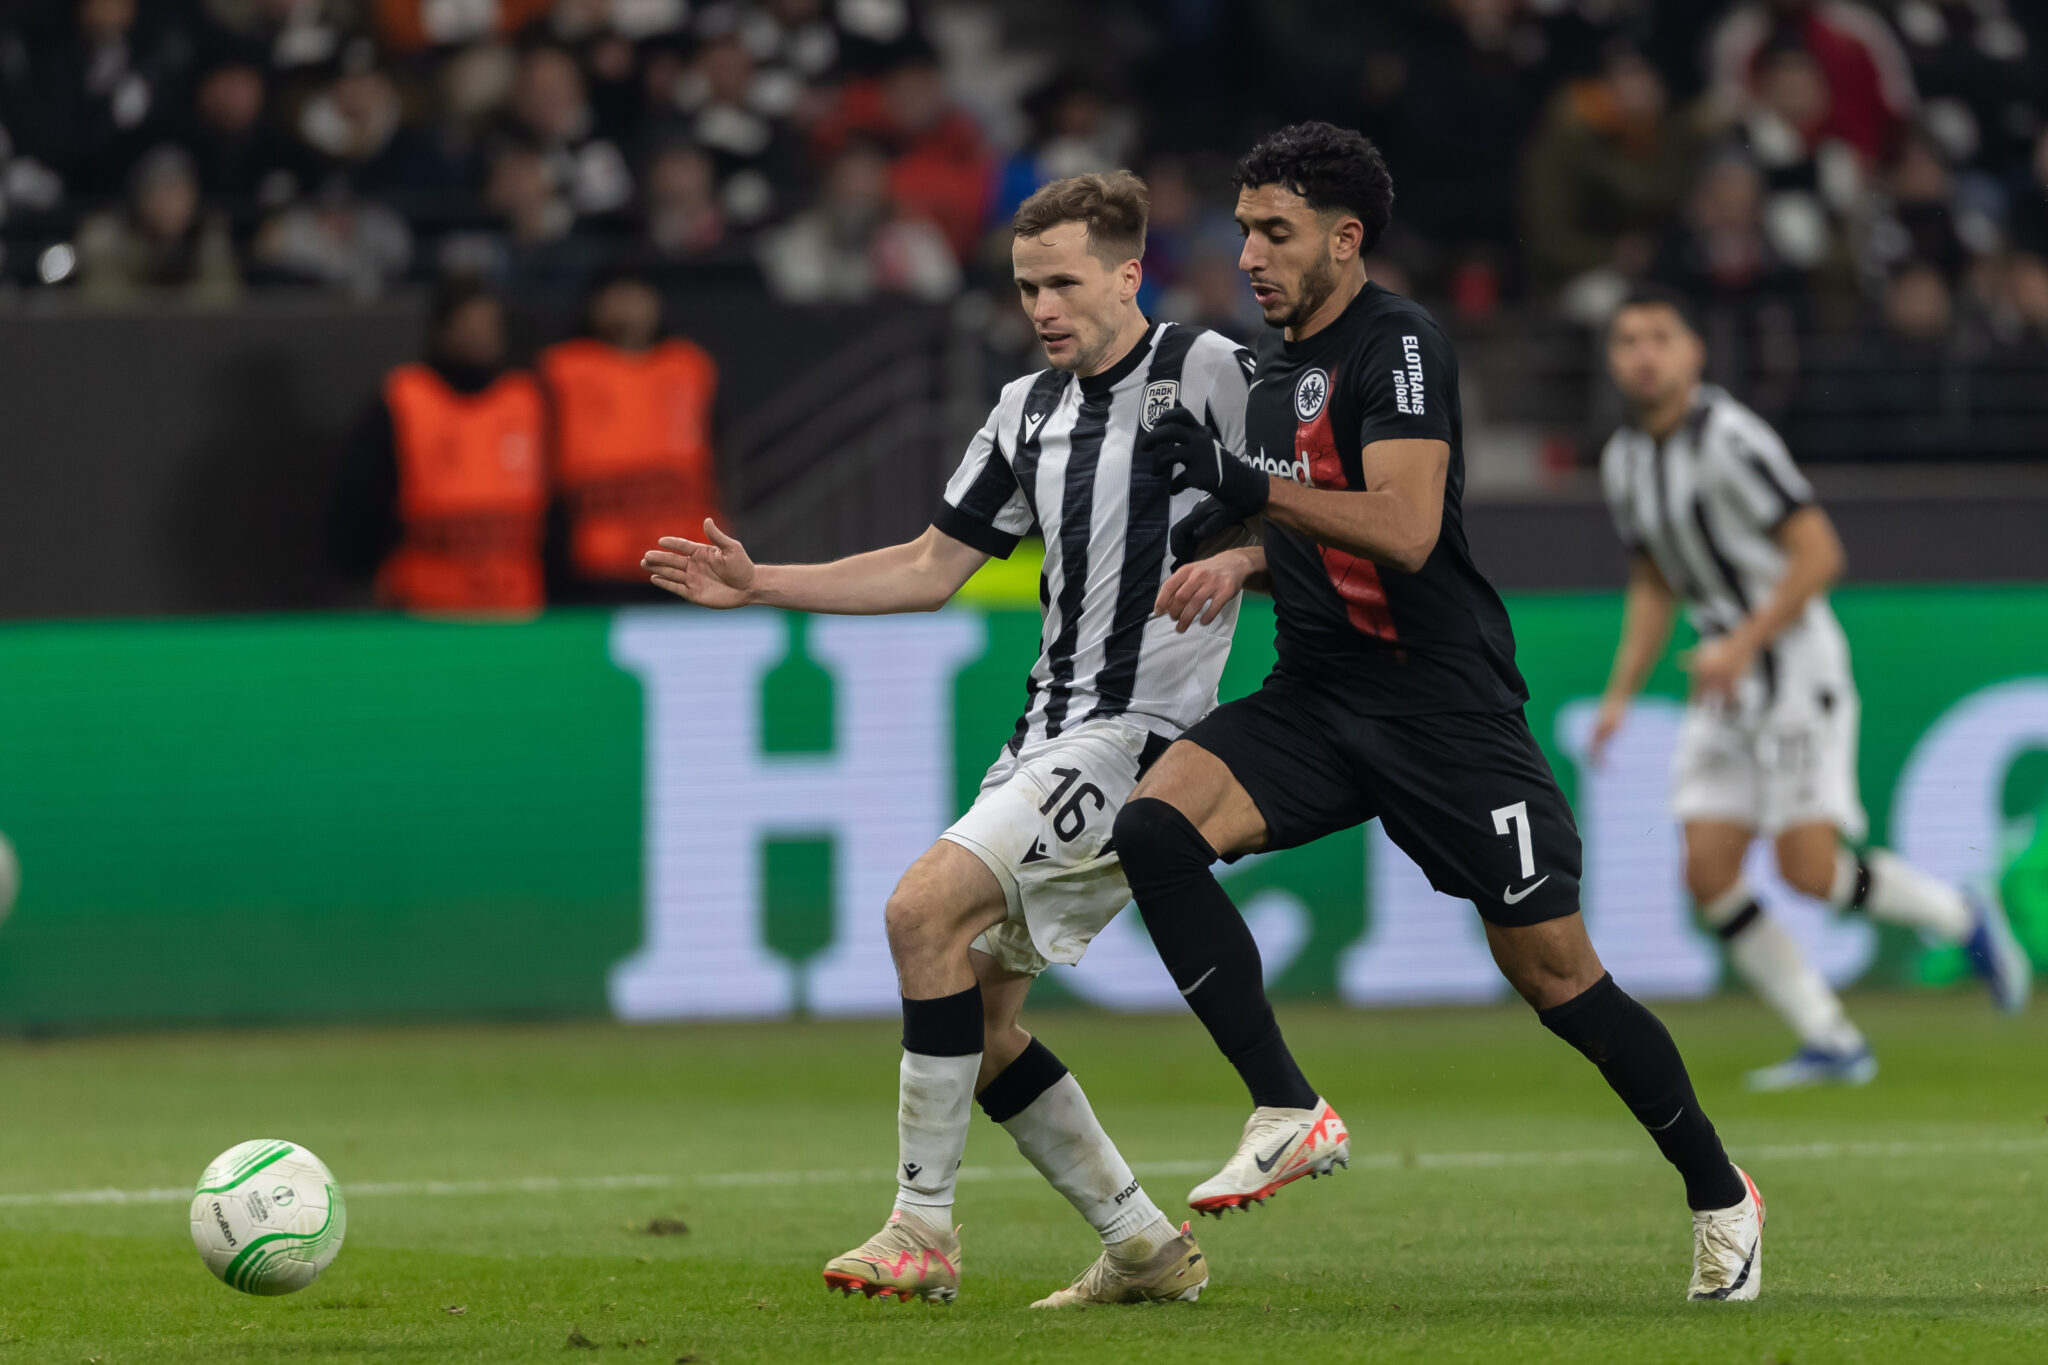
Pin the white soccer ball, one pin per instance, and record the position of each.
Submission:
(267, 1217)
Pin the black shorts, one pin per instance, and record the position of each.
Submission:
(1467, 795)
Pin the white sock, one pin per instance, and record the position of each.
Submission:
(935, 1100)
(1060, 1135)
(1901, 893)
(1768, 959)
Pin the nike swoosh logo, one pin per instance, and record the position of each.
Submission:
(1510, 896)
(1198, 981)
(1265, 1163)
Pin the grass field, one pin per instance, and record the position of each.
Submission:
(1501, 1206)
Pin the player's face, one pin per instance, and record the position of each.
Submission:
(1287, 253)
(1077, 303)
(1653, 356)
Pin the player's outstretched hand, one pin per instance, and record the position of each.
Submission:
(714, 574)
(1201, 590)
(1607, 724)
(1179, 445)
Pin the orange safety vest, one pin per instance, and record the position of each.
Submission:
(472, 494)
(633, 454)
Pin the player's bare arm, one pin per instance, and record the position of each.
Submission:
(919, 575)
(1199, 592)
(1395, 523)
(1813, 561)
(1648, 612)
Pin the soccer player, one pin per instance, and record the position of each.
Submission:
(1395, 697)
(1714, 512)
(1028, 875)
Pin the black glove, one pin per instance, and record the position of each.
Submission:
(1210, 518)
(1179, 444)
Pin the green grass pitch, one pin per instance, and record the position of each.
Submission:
(1501, 1206)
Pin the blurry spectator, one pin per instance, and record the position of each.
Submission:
(1184, 233)
(1212, 293)
(245, 164)
(1918, 304)
(1604, 179)
(1720, 251)
(536, 245)
(1869, 84)
(411, 26)
(939, 165)
(793, 42)
(1813, 179)
(288, 40)
(877, 35)
(356, 127)
(1078, 130)
(683, 219)
(551, 112)
(442, 493)
(2026, 296)
(2028, 196)
(1441, 100)
(727, 111)
(633, 457)
(107, 90)
(160, 247)
(1916, 218)
(352, 245)
(1983, 97)
(855, 243)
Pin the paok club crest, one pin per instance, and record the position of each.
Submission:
(1158, 398)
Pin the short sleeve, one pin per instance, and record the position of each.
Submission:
(1616, 487)
(1759, 470)
(1224, 373)
(1405, 381)
(983, 505)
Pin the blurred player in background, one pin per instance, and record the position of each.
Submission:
(1716, 515)
(1395, 698)
(1028, 876)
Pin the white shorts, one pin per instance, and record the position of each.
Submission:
(1040, 824)
(1773, 766)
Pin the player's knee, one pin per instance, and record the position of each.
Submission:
(1809, 871)
(912, 915)
(1152, 837)
(1709, 879)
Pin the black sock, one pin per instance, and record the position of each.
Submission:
(1204, 942)
(1018, 1085)
(1637, 1058)
(948, 1026)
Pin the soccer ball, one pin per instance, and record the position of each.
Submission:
(267, 1217)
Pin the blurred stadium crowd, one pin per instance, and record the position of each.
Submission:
(1864, 175)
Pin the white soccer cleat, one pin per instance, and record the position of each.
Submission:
(1811, 1066)
(1728, 1248)
(1174, 1273)
(1279, 1146)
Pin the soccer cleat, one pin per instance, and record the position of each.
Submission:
(908, 1259)
(1279, 1146)
(1812, 1066)
(1728, 1248)
(1997, 956)
(1175, 1273)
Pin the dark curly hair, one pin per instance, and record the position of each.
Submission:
(1330, 167)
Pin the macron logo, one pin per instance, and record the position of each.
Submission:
(1297, 472)
(1408, 381)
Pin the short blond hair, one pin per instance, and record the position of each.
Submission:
(1114, 206)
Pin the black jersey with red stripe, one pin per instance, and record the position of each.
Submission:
(1389, 643)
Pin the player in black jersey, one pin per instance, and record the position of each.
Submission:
(1395, 697)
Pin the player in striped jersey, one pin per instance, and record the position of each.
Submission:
(1028, 875)
(1715, 514)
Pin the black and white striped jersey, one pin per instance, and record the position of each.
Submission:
(1706, 504)
(1055, 456)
